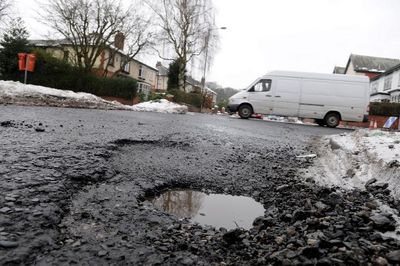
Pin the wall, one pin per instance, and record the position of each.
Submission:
(162, 83)
(380, 121)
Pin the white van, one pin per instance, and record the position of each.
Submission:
(328, 98)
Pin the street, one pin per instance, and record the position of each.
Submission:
(73, 182)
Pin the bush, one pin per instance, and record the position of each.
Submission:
(156, 96)
(56, 73)
(384, 109)
(188, 98)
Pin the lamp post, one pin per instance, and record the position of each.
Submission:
(203, 79)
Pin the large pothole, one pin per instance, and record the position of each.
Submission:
(217, 210)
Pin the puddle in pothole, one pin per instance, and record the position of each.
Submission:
(217, 210)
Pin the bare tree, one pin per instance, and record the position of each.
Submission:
(185, 26)
(4, 8)
(89, 26)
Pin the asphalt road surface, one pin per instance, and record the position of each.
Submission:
(73, 182)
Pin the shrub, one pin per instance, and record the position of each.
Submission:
(190, 98)
(384, 109)
(156, 96)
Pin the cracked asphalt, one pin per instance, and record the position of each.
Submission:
(73, 182)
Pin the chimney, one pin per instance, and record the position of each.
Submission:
(119, 40)
(158, 64)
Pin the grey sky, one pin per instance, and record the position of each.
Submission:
(302, 35)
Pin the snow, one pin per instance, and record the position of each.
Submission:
(12, 92)
(350, 160)
(161, 106)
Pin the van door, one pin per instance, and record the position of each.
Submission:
(260, 97)
(287, 96)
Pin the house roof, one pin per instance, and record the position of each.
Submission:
(363, 63)
(388, 72)
(65, 42)
(339, 70)
(192, 81)
(49, 43)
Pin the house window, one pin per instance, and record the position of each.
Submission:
(374, 87)
(126, 66)
(141, 72)
(398, 82)
(112, 59)
(144, 88)
(388, 83)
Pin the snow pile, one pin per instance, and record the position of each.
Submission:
(160, 106)
(356, 159)
(12, 92)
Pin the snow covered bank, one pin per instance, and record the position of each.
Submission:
(160, 106)
(359, 159)
(366, 160)
(12, 92)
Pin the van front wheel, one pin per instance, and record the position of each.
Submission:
(332, 120)
(245, 111)
(320, 122)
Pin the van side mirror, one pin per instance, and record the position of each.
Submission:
(251, 89)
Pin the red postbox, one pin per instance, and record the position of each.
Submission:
(22, 61)
(30, 62)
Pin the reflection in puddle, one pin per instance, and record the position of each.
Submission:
(217, 210)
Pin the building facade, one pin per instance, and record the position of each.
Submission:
(386, 87)
(110, 61)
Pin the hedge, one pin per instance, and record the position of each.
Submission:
(190, 98)
(384, 109)
(59, 74)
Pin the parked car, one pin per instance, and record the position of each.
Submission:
(328, 98)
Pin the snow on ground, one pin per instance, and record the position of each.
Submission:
(161, 106)
(12, 92)
(362, 159)
(351, 160)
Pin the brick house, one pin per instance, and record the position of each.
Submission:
(368, 65)
(145, 75)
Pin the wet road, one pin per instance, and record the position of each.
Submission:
(73, 183)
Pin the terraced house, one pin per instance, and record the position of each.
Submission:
(384, 74)
(386, 87)
(112, 61)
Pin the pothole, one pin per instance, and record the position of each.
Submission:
(216, 210)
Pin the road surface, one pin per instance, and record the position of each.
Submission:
(73, 183)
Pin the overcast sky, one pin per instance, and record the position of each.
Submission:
(301, 35)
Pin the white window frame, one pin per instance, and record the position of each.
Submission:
(127, 67)
(387, 83)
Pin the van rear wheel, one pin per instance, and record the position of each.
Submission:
(245, 111)
(332, 120)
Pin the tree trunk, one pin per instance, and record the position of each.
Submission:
(182, 76)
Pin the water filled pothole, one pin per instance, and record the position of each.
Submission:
(217, 210)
